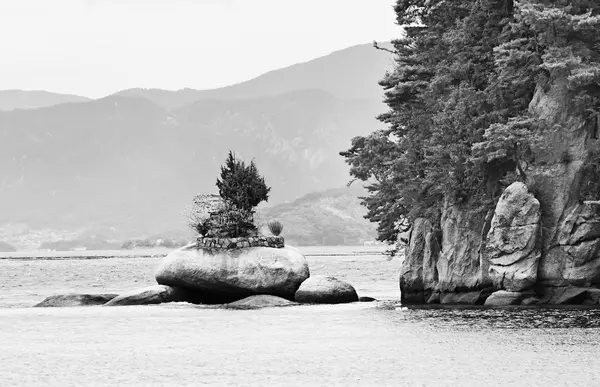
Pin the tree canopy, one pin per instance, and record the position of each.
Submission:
(241, 184)
(458, 126)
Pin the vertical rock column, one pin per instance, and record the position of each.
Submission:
(418, 277)
(513, 247)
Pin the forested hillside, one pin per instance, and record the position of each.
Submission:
(332, 217)
(459, 128)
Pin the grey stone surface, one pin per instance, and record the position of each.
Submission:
(231, 275)
(325, 290)
(70, 300)
(513, 246)
(156, 294)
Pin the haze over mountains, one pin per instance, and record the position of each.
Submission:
(131, 162)
(21, 99)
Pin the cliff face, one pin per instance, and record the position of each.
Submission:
(540, 244)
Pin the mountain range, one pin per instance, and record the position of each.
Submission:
(128, 164)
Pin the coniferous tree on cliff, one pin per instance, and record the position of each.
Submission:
(458, 127)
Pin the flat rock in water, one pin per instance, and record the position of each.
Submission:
(467, 298)
(260, 301)
(156, 294)
(504, 298)
(231, 275)
(325, 290)
(366, 299)
(71, 300)
(530, 301)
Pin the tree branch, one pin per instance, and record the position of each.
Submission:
(376, 45)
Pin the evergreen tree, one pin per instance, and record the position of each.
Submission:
(458, 126)
(241, 185)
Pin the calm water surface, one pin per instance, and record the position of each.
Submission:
(363, 344)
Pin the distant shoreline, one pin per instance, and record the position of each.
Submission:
(309, 251)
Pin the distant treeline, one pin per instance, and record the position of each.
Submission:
(101, 244)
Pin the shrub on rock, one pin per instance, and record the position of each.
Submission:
(325, 290)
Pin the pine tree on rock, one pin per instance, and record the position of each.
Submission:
(241, 185)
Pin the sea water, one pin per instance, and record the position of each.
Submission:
(367, 344)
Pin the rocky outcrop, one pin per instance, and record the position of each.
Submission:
(257, 302)
(231, 275)
(445, 262)
(71, 300)
(459, 266)
(574, 257)
(513, 246)
(156, 294)
(541, 239)
(325, 290)
(418, 278)
(571, 236)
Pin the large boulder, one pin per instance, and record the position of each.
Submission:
(513, 246)
(156, 294)
(230, 275)
(70, 300)
(325, 290)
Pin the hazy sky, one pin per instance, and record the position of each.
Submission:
(96, 47)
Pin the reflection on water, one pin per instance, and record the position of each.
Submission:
(514, 317)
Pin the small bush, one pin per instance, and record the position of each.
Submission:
(275, 227)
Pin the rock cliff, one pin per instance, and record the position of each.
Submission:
(539, 243)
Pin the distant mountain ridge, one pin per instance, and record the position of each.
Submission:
(25, 99)
(351, 73)
(131, 162)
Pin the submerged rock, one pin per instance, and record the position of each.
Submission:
(231, 275)
(366, 299)
(71, 300)
(325, 290)
(465, 298)
(156, 294)
(260, 301)
(513, 246)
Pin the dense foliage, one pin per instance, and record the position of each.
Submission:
(241, 185)
(241, 189)
(458, 127)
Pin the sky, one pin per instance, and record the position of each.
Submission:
(94, 48)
